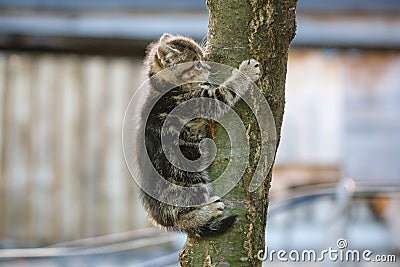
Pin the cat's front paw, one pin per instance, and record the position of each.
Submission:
(251, 68)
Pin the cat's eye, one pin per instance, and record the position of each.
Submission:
(198, 65)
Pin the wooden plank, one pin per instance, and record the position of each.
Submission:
(9, 133)
(91, 172)
(138, 215)
(16, 147)
(84, 167)
(68, 142)
(117, 77)
(98, 123)
(125, 78)
(43, 136)
(3, 140)
(28, 78)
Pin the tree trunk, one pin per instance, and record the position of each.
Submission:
(239, 30)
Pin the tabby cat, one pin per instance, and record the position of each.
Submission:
(208, 218)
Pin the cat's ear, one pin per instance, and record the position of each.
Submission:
(165, 53)
(165, 37)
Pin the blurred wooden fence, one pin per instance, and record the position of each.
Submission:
(62, 172)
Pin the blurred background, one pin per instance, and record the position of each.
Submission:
(68, 70)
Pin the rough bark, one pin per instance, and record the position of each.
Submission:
(239, 30)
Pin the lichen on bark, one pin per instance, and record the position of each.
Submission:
(239, 30)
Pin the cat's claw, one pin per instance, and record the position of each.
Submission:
(250, 68)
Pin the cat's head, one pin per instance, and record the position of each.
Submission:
(171, 51)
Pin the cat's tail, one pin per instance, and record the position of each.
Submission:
(214, 228)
